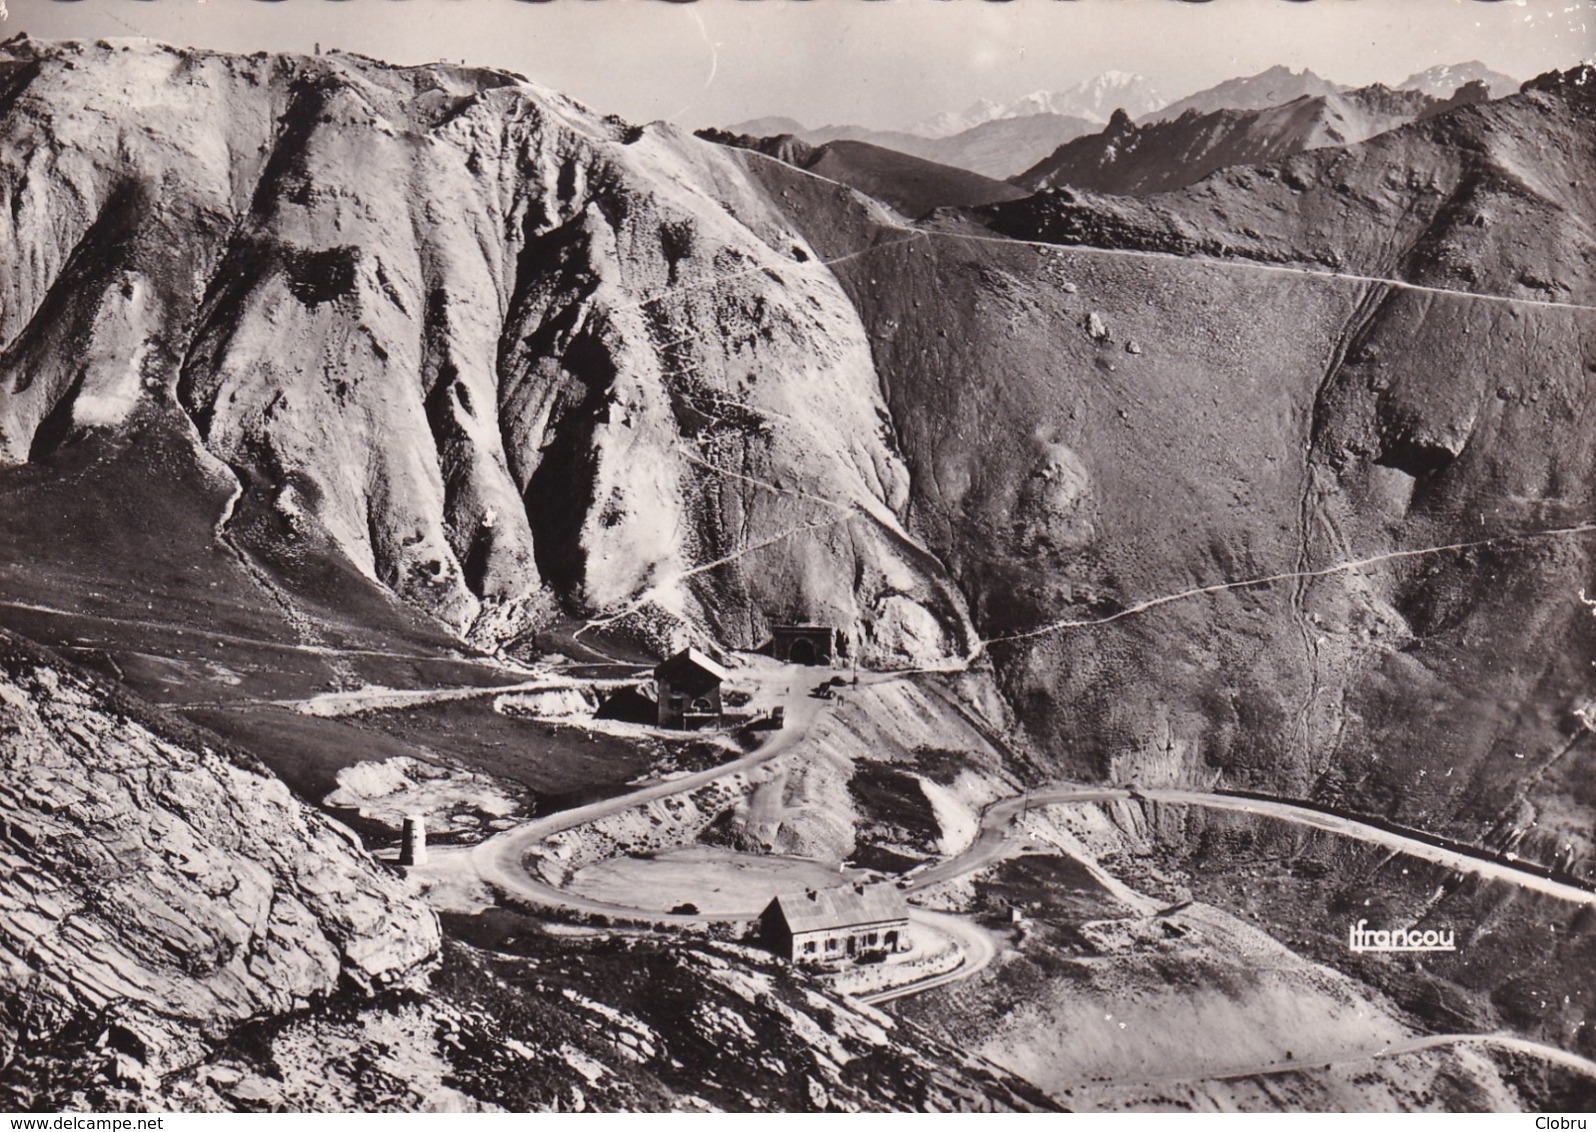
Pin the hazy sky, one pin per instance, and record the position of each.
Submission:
(872, 62)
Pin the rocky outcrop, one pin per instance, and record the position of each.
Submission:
(600, 1025)
(158, 893)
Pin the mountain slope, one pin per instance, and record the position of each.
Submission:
(771, 125)
(1274, 87)
(911, 185)
(436, 320)
(1280, 481)
(943, 396)
(1137, 160)
(601, 312)
(1110, 441)
(1487, 197)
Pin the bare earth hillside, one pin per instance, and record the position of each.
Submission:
(1154, 409)
(457, 329)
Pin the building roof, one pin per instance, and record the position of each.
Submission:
(691, 658)
(852, 904)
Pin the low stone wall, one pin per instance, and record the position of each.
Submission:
(870, 978)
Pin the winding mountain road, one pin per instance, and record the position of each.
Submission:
(500, 861)
(1391, 1049)
(1462, 859)
(991, 844)
(978, 946)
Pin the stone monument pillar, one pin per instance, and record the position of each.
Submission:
(413, 851)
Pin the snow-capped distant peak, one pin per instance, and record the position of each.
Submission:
(1091, 99)
(1442, 80)
(1113, 90)
(951, 122)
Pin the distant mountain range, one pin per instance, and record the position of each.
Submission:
(999, 149)
(1007, 140)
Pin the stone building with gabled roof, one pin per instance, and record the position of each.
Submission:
(689, 690)
(837, 925)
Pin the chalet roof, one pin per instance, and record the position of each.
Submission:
(841, 907)
(691, 658)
